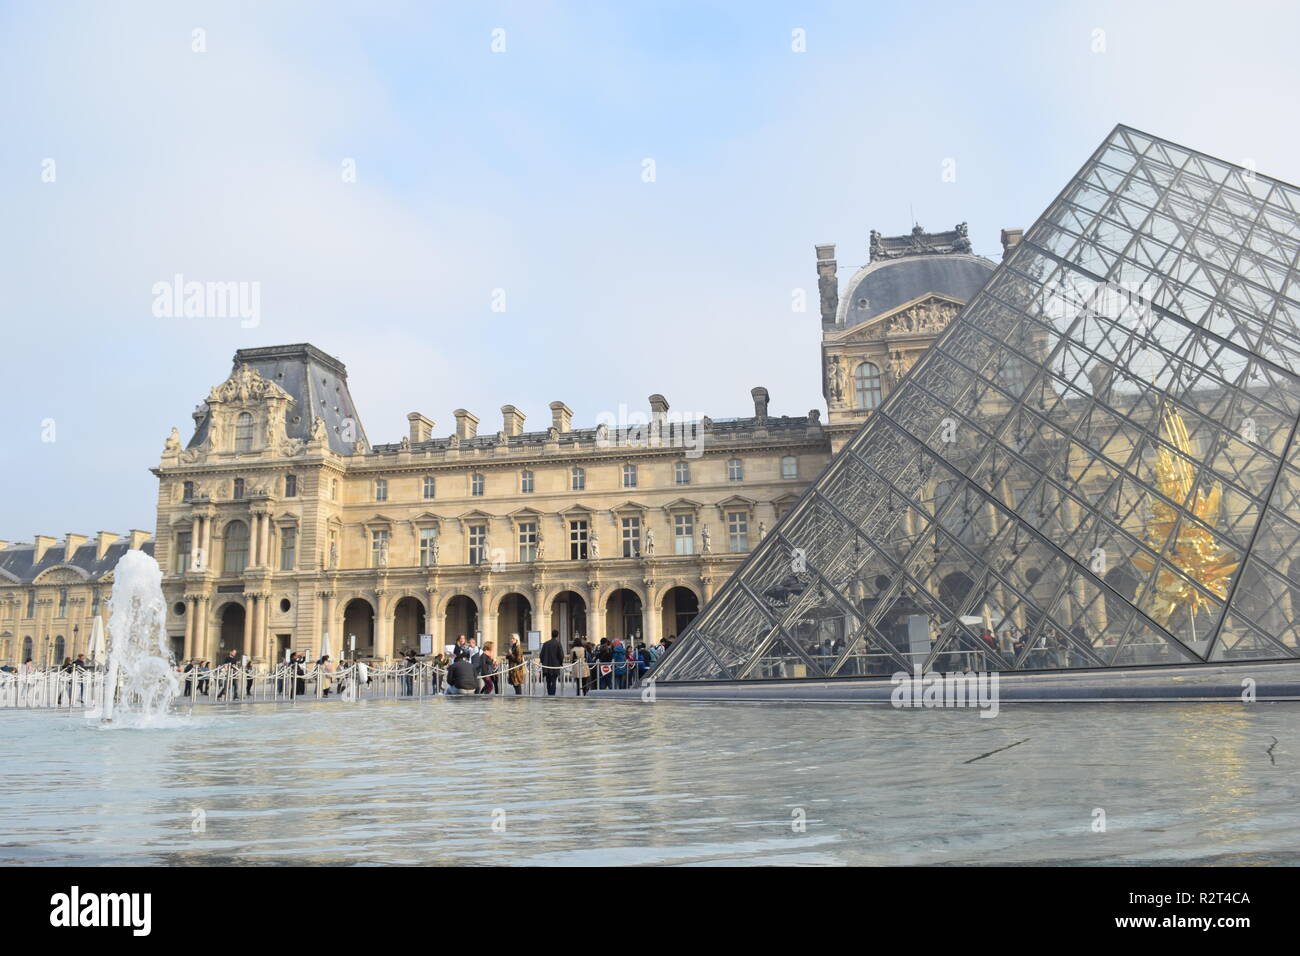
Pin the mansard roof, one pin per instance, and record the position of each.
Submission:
(17, 560)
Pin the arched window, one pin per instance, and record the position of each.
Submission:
(244, 432)
(27, 649)
(235, 558)
(866, 385)
(59, 647)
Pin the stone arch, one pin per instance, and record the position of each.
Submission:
(570, 614)
(410, 619)
(230, 630)
(460, 615)
(514, 611)
(359, 622)
(624, 609)
(678, 606)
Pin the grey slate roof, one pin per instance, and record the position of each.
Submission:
(318, 384)
(886, 284)
(17, 560)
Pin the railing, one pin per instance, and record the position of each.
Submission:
(233, 684)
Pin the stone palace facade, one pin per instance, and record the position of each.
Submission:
(280, 525)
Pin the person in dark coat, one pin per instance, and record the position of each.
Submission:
(461, 678)
(486, 666)
(552, 659)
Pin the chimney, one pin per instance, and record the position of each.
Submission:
(561, 417)
(828, 286)
(1010, 239)
(43, 543)
(466, 424)
(512, 421)
(658, 411)
(421, 427)
(760, 401)
(72, 543)
(138, 538)
(103, 541)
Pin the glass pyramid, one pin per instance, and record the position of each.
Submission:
(1096, 465)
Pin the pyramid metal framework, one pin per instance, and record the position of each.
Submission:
(1094, 466)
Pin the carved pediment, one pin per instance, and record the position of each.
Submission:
(927, 315)
(246, 385)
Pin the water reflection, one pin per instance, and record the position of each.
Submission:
(592, 782)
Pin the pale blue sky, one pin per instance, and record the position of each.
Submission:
(522, 171)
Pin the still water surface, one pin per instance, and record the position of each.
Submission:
(575, 782)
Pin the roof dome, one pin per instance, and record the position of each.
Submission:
(883, 286)
(905, 268)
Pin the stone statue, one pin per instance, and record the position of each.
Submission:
(334, 549)
(877, 247)
(383, 554)
(173, 442)
(541, 546)
(649, 548)
(552, 434)
(433, 552)
(835, 377)
(593, 545)
(405, 443)
(762, 530)
(706, 539)
(962, 242)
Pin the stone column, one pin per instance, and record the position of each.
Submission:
(259, 628)
(326, 622)
(203, 635)
(434, 624)
(651, 618)
(487, 616)
(595, 616)
(250, 604)
(383, 628)
(207, 542)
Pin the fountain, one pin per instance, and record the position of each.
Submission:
(138, 658)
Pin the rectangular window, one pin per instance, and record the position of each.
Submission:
(526, 483)
(476, 486)
(735, 470)
(528, 541)
(334, 489)
(288, 547)
(789, 467)
(478, 544)
(31, 603)
(578, 479)
(381, 489)
(684, 534)
(94, 598)
(378, 547)
(187, 491)
(629, 476)
(239, 488)
(578, 540)
(291, 486)
(428, 541)
(682, 473)
(631, 537)
(738, 530)
(430, 486)
(63, 602)
(184, 544)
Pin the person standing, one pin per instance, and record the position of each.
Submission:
(486, 668)
(581, 670)
(515, 658)
(552, 660)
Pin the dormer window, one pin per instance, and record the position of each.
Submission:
(244, 432)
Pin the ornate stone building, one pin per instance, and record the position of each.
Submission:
(280, 525)
(889, 313)
(52, 590)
